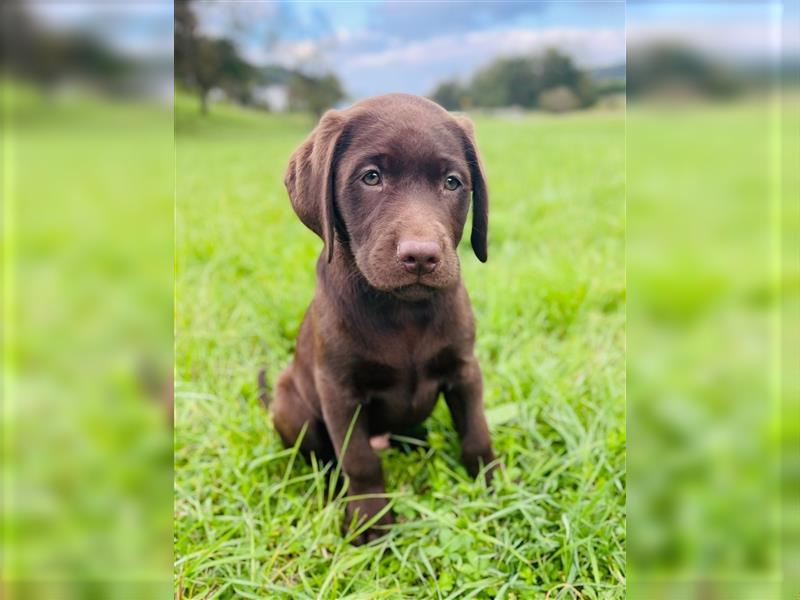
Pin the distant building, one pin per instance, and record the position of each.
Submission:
(216, 94)
(274, 97)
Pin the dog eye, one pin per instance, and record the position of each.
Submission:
(452, 183)
(371, 178)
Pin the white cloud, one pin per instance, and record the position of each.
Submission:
(365, 60)
(417, 66)
(218, 19)
(588, 47)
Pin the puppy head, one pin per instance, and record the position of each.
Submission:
(390, 179)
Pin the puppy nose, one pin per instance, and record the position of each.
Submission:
(419, 257)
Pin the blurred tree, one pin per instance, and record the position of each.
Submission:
(506, 82)
(203, 63)
(450, 95)
(314, 94)
(670, 69)
(556, 71)
(523, 81)
(235, 74)
(611, 87)
(184, 41)
(558, 99)
(205, 68)
(49, 57)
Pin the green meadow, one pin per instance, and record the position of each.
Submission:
(252, 519)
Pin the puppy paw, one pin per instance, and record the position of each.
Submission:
(476, 465)
(489, 473)
(359, 512)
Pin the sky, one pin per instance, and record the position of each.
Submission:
(380, 47)
(736, 32)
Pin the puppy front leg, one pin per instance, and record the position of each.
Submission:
(358, 460)
(465, 400)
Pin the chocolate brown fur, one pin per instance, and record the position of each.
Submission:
(379, 335)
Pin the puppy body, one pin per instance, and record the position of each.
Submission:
(390, 326)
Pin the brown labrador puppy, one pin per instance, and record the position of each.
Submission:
(387, 185)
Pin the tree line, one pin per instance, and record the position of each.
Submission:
(550, 82)
(204, 63)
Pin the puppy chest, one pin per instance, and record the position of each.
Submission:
(406, 393)
(408, 401)
(404, 373)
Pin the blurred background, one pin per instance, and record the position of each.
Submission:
(712, 272)
(88, 186)
(712, 258)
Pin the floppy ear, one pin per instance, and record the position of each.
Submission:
(310, 178)
(480, 193)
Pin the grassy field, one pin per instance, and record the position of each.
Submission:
(712, 239)
(251, 519)
(87, 290)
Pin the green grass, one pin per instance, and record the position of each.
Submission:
(252, 519)
(87, 290)
(711, 256)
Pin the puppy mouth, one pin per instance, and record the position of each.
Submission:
(414, 292)
(387, 275)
